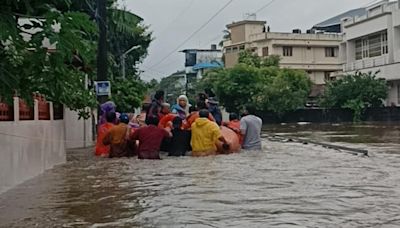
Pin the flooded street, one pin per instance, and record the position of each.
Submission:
(285, 185)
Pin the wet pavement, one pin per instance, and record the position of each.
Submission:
(285, 185)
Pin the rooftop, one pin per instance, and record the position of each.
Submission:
(337, 19)
(234, 24)
(201, 50)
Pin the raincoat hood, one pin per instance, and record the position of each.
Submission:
(200, 122)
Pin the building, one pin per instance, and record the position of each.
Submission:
(317, 54)
(334, 24)
(372, 44)
(197, 61)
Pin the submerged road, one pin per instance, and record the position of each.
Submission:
(285, 185)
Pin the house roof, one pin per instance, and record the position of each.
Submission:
(337, 19)
(234, 24)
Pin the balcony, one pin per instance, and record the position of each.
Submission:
(367, 63)
(378, 11)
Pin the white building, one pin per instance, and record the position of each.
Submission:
(372, 44)
(198, 61)
(317, 54)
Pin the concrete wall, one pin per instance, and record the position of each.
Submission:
(238, 34)
(231, 59)
(78, 133)
(367, 27)
(393, 93)
(28, 148)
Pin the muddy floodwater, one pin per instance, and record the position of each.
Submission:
(285, 185)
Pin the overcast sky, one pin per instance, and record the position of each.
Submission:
(173, 21)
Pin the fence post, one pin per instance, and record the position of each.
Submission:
(36, 109)
(51, 109)
(16, 109)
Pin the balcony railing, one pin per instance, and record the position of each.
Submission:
(366, 63)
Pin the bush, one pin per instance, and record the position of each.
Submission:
(356, 92)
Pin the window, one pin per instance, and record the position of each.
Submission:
(287, 51)
(365, 51)
(358, 49)
(385, 49)
(241, 48)
(265, 51)
(330, 52)
(234, 49)
(372, 46)
(228, 50)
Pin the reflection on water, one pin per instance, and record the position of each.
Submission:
(286, 185)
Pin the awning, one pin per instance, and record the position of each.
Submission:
(201, 66)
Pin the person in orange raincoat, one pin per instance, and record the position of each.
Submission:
(194, 115)
(167, 118)
(101, 149)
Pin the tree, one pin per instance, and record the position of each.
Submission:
(27, 66)
(225, 37)
(125, 30)
(356, 92)
(60, 74)
(127, 94)
(287, 91)
(258, 82)
(252, 59)
(172, 86)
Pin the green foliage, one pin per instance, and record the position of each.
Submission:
(172, 87)
(70, 27)
(356, 92)
(126, 31)
(28, 67)
(251, 59)
(286, 91)
(128, 94)
(267, 88)
(357, 106)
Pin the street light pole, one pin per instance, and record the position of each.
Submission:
(123, 58)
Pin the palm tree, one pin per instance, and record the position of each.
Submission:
(225, 37)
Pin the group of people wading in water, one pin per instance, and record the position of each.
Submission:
(177, 130)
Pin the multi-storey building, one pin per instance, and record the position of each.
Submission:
(372, 44)
(317, 54)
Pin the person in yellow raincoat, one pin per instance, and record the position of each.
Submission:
(205, 135)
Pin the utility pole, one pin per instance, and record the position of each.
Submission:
(102, 61)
